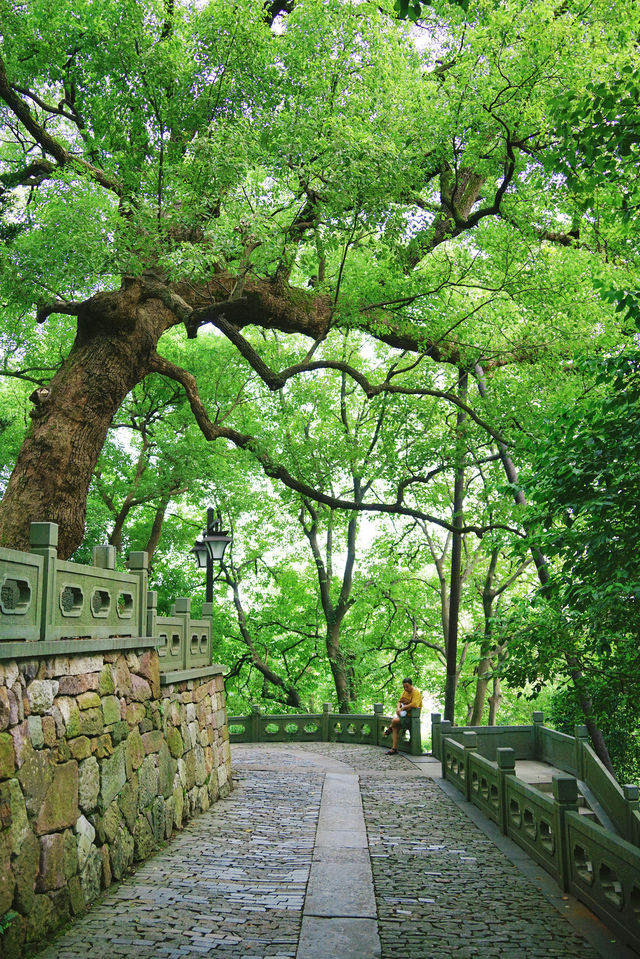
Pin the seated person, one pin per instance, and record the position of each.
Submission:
(410, 699)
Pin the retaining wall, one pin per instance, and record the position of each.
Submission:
(102, 757)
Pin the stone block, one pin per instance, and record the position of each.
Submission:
(16, 711)
(7, 877)
(5, 709)
(135, 713)
(60, 807)
(61, 752)
(81, 665)
(9, 673)
(41, 919)
(200, 766)
(7, 756)
(112, 824)
(49, 732)
(21, 743)
(88, 700)
(71, 716)
(121, 853)
(119, 732)
(13, 807)
(51, 873)
(88, 784)
(145, 842)
(140, 689)
(36, 734)
(147, 782)
(149, 669)
(80, 747)
(110, 710)
(106, 684)
(102, 746)
(41, 694)
(91, 723)
(153, 741)
(75, 685)
(128, 802)
(91, 876)
(25, 870)
(85, 835)
(35, 777)
(174, 742)
(201, 692)
(178, 806)
(121, 678)
(106, 866)
(113, 776)
(134, 752)
(76, 896)
(170, 811)
(133, 660)
(70, 854)
(167, 767)
(158, 822)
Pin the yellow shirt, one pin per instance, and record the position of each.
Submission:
(413, 699)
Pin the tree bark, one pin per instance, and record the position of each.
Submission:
(456, 568)
(117, 334)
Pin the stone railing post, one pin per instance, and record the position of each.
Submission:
(445, 726)
(415, 734)
(538, 724)
(104, 557)
(469, 742)
(255, 724)
(506, 760)
(183, 612)
(631, 794)
(582, 739)
(152, 612)
(377, 713)
(565, 793)
(43, 539)
(324, 722)
(138, 563)
(435, 734)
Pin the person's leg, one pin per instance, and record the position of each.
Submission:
(395, 726)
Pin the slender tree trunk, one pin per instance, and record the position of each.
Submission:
(456, 566)
(575, 672)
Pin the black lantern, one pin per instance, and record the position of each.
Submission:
(211, 549)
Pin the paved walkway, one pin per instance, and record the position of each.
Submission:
(326, 851)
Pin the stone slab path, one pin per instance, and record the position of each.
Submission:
(326, 851)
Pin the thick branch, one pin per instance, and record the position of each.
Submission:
(51, 146)
(214, 431)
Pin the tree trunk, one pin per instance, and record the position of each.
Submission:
(456, 568)
(339, 670)
(117, 334)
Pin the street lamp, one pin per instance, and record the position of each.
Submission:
(211, 548)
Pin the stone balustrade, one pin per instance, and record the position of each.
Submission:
(597, 858)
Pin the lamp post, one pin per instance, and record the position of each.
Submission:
(211, 547)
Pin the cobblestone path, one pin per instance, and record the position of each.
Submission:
(233, 883)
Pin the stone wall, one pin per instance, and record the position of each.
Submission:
(101, 760)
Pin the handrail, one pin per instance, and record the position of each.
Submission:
(598, 866)
(354, 728)
(50, 601)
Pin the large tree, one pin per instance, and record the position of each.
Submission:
(175, 166)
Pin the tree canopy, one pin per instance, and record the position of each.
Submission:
(296, 228)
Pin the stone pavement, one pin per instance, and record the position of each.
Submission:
(300, 863)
